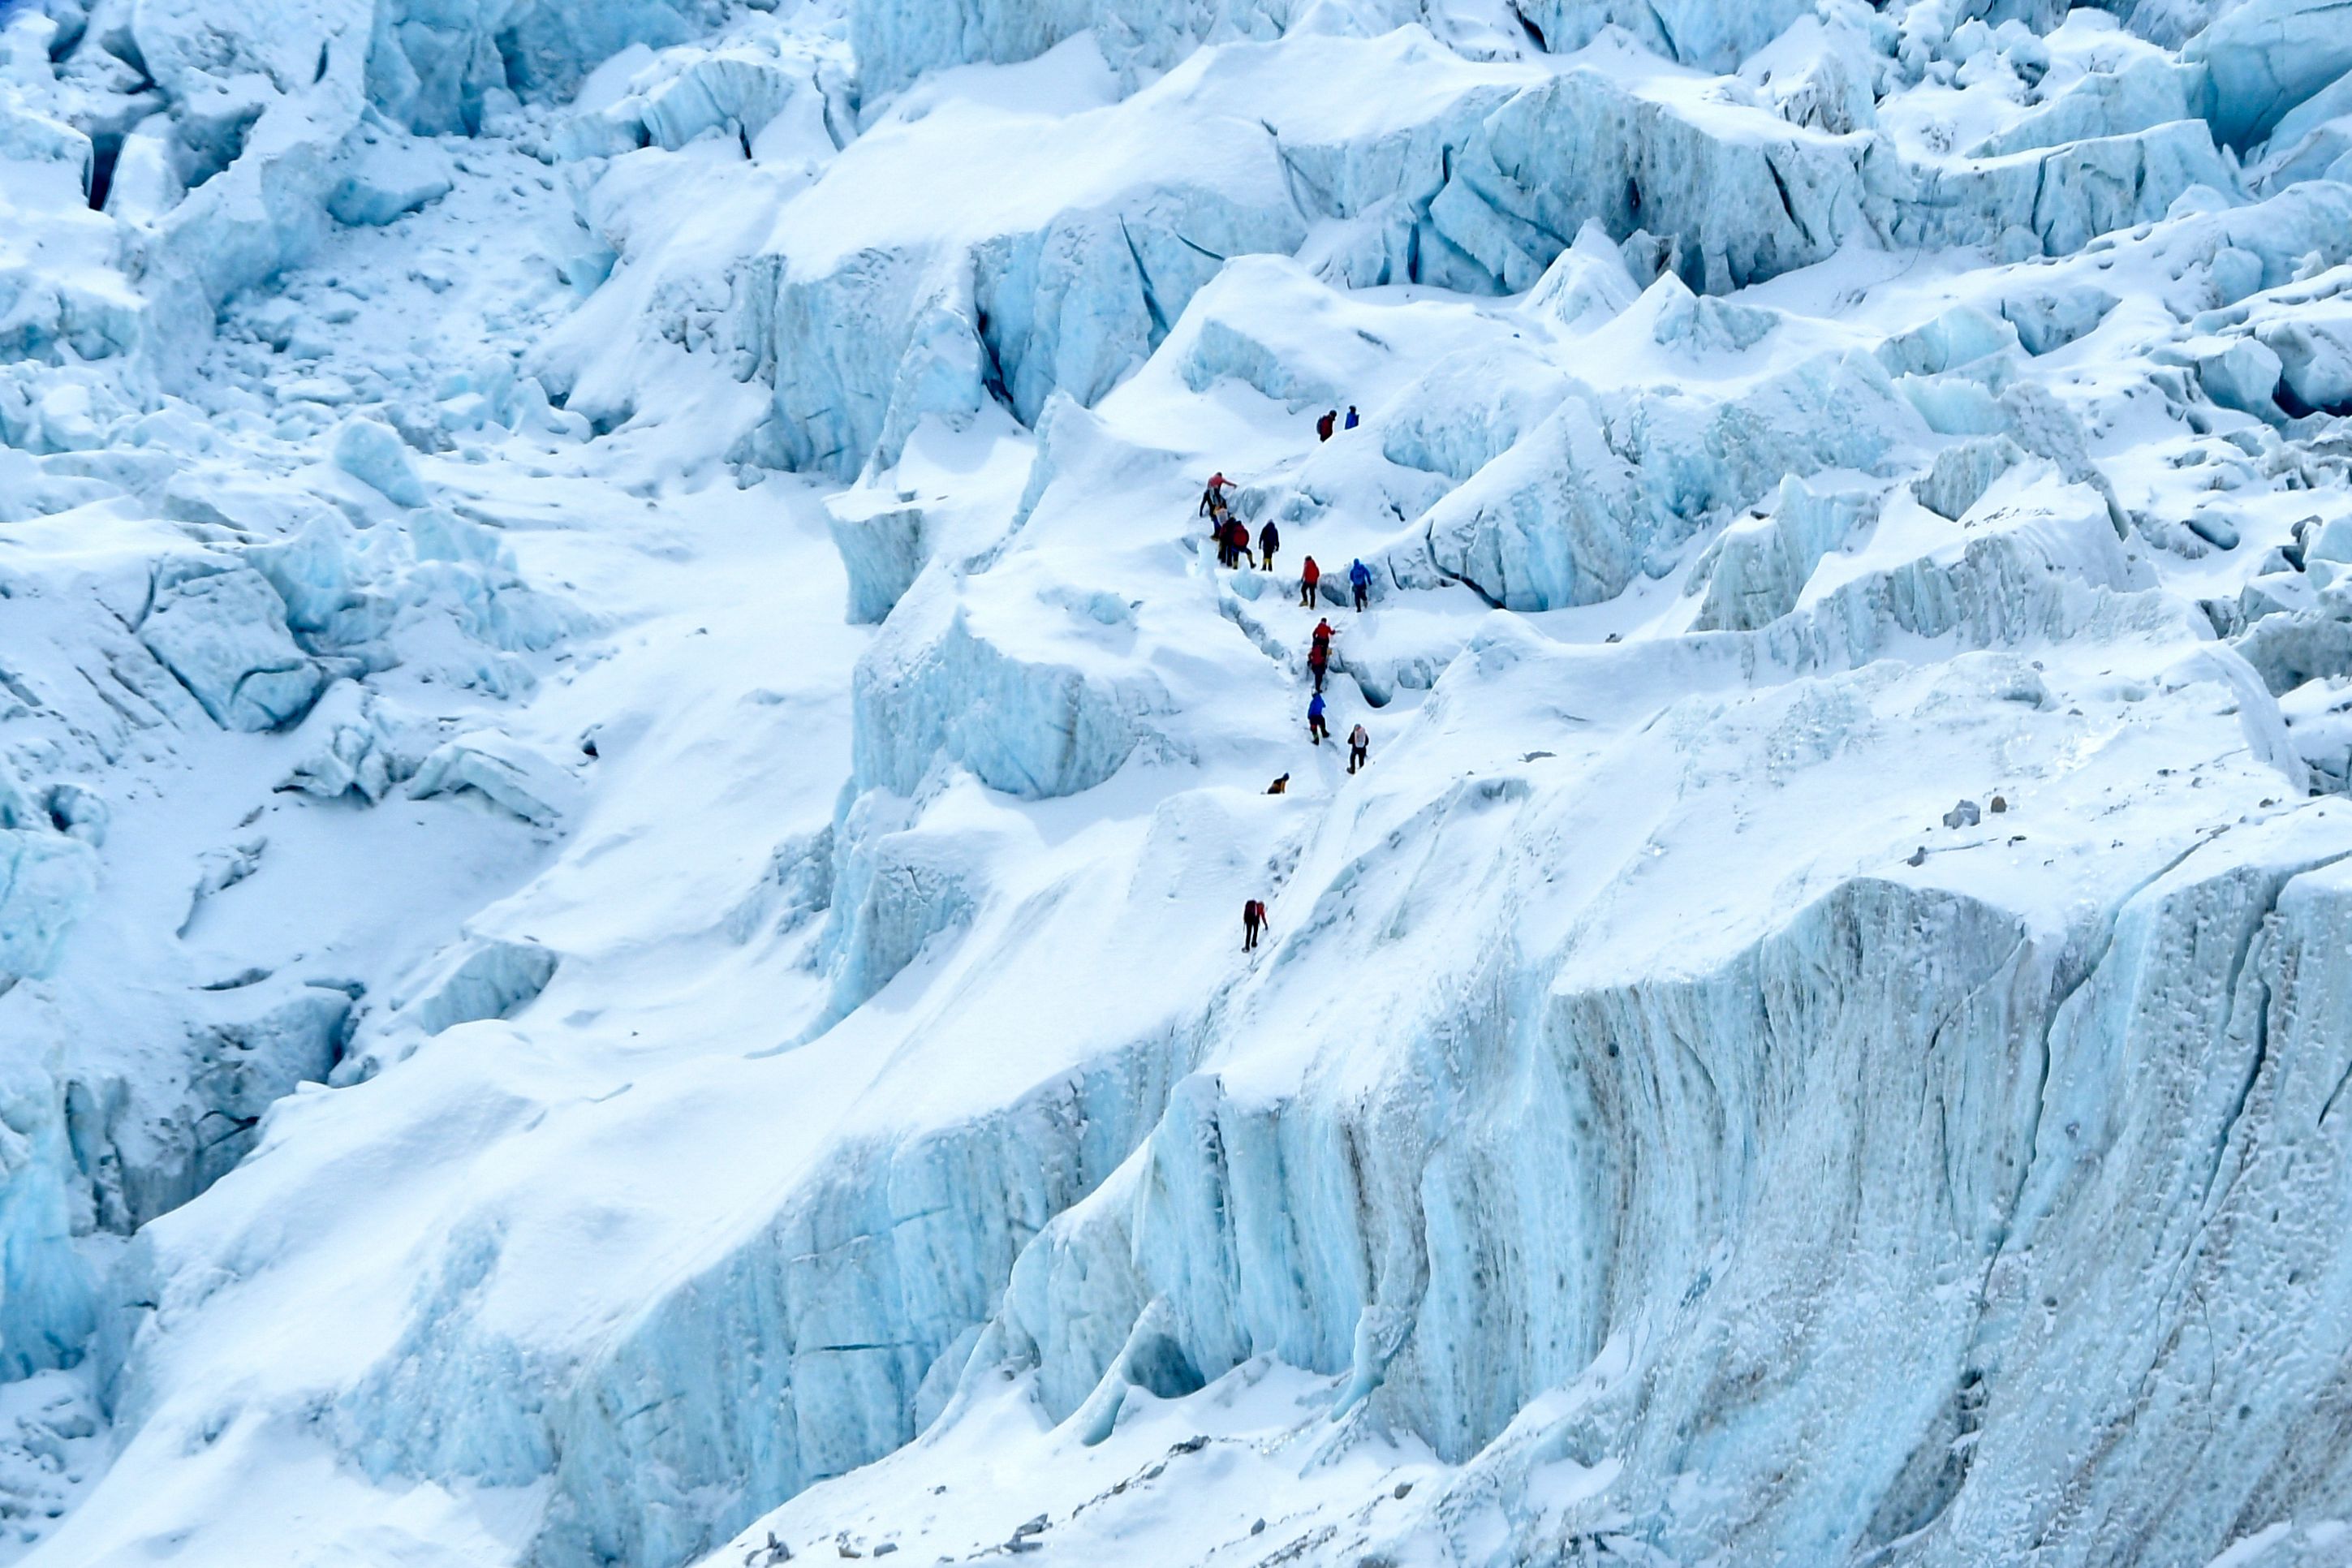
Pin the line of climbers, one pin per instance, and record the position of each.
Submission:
(1323, 426)
(1310, 581)
(1233, 540)
(1319, 662)
(1319, 729)
(1232, 537)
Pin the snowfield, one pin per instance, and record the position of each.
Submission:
(627, 773)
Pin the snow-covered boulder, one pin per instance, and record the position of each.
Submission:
(1586, 282)
(1702, 323)
(2243, 376)
(1960, 336)
(2265, 57)
(2314, 347)
(2293, 647)
(1962, 473)
(883, 549)
(482, 978)
(1756, 568)
(2319, 715)
(353, 750)
(146, 183)
(381, 175)
(2048, 320)
(1559, 519)
(372, 452)
(239, 1068)
(510, 774)
(222, 631)
(1264, 323)
(1469, 408)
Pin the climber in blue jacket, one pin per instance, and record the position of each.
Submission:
(1359, 576)
(1315, 728)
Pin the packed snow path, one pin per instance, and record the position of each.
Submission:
(626, 775)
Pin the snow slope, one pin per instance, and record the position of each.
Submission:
(624, 779)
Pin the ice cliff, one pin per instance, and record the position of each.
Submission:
(625, 774)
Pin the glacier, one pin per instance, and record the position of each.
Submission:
(625, 768)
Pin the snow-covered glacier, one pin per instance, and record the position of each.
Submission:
(627, 771)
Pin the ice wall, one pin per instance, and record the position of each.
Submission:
(48, 1301)
(863, 1300)
(1479, 182)
(1953, 1130)
(1570, 514)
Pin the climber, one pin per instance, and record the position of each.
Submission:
(1309, 576)
(1212, 504)
(1268, 542)
(1360, 577)
(1323, 426)
(1359, 748)
(1323, 634)
(1223, 535)
(1253, 921)
(1349, 424)
(1318, 659)
(1238, 538)
(1212, 499)
(1281, 784)
(1317, 730)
